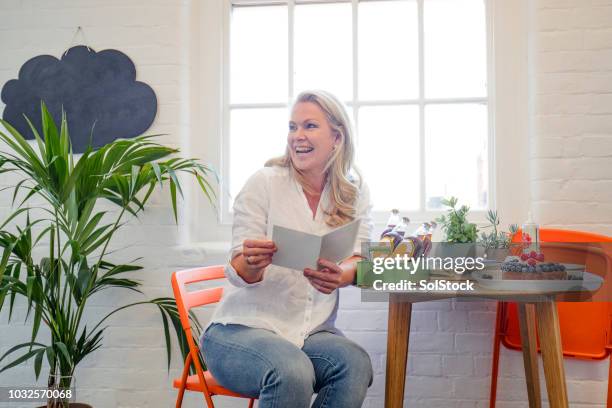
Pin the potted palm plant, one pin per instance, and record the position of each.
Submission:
(58, 285)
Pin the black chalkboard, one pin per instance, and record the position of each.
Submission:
(92, 87)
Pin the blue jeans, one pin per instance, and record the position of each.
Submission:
(260, 363)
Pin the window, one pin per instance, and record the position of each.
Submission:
(413, 74)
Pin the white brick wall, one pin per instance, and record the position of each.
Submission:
(130, 370)
(449, 363)
(571, 149)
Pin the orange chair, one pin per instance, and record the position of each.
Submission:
(585, 327)
(202, 381)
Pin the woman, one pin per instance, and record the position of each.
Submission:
(272, 335)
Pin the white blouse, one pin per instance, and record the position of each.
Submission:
(283, 301)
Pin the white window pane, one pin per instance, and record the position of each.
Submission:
(256, 135)
(455, 48)
(388, 155)
(388, 50)
(323, 48)
(258, 59)
(456, 154)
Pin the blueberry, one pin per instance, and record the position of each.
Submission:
(532, 269)
(523, 269)
(562, 267)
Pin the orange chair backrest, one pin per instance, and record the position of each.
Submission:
(559, 235)
(186, 300)
(585, 326)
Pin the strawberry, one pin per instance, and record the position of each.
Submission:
(533, 254)
(540, 257)
(531, 261)
(524, 257)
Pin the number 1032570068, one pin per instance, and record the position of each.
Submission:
(8, 394)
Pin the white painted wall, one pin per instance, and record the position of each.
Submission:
(569, 73)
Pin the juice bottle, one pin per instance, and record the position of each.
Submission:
(402, 227)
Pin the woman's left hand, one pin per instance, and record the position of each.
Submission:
(327, 279)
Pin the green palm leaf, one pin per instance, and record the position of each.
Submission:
(57, 287)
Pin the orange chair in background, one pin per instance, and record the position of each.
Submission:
(202, 381)
(586, 328)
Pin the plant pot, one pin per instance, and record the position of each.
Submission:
(452, 250)
(63, 389)
(495, 254)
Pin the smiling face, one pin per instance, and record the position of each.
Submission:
(311, 139)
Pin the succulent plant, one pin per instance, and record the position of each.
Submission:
(496, 239)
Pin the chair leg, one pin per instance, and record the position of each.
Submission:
(251, 402)
(179, 397)
(184, 375)
(609, 403)
(495, 356)
(208, 400)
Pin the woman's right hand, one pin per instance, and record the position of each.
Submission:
(255, 257)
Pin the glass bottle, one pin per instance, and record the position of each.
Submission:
(531, 235)
(394, 218)
(402, 227)
(432, 228)
(392, 222)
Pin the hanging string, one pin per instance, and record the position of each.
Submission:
(72, 42)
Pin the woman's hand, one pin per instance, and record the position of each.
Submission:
(255, 257)
(327, 279)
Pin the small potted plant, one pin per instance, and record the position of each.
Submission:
(495, 243)
(460, 234)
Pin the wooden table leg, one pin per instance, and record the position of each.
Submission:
(552, 353)
(526, 314)
(397, 350)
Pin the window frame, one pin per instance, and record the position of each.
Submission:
(356, 103)
(510, 102)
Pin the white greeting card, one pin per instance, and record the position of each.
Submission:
(299, 250)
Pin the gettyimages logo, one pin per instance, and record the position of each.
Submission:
(459, 265)
(443, 268)
(412, 266)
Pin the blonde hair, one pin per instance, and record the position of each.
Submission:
(344, 179)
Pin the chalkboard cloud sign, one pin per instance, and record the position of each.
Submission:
(93, 88)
